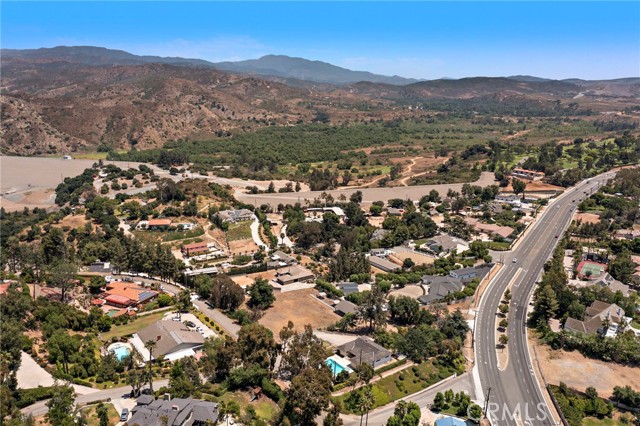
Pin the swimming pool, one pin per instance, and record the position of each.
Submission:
(336, 367)
(120, 351)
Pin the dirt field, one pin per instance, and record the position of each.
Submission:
(580, 372)
(534, 187)
(247, 280)
(418, 258)
(302, 308)
(587, 217)
(414, 291)
(242, 247)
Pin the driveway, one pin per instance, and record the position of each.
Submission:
(31, 375)
(335, 339)
(255, 234)
(206, 333)
(40, 407)
(218, 317)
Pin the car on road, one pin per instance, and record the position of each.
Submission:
(124, 415)
(515, 259)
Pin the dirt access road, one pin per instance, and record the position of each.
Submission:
(369, 195)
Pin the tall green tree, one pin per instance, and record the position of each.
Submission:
(261, 294)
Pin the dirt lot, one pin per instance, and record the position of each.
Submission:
(580, 372)
(247, 280)
(302, 308)
(242, 247)
(587, 217)
(535, 186)
(418, 258)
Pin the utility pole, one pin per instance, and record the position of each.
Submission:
(486, 404)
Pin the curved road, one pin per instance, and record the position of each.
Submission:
(516, 398)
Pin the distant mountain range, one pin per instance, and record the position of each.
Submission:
(281, 66)
(63, 99)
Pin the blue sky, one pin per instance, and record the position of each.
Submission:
(590, 40)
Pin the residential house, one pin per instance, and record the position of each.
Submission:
(100, 267)
(595, 316)
(123, 294)
(627, 234)
(149, 411)
(606, 280)
(527, 174)
(280, 259)
(348, 287)
(195, 249)
(158, 223)
(234, 216)
(345, 307)
(468, 274)
(490, 228)
(364, 351)
(512, 199)
(443, 244)
(173, 340)
(335, 210)
(439, 288)
(393, 211)
(383, 264)
(294, 274)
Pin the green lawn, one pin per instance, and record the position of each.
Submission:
(239, 231)
(92, 418)
(592, 421)
(132, 326)
(265, 408)
(403, 383)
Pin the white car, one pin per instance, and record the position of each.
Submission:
(515, 259)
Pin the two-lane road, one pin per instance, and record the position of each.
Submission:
(516, 397)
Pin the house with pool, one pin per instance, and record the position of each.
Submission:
(360, 351)
(173, 340)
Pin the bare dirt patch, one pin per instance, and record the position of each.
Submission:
(580, 372)
(247, 280)
(535, 186)
(587, 217)
(242, 247)
(302, 308)
(418, 258)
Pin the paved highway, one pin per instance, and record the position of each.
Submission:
(516, 397)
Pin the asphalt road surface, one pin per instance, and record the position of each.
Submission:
(40, 407)
(516, 397)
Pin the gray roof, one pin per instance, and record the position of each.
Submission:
(235, 215)
(348, 288)
(346, 307)
(178, 412)
(476, 272)
(383, 264)
(169, 335)
(363, 351)
(439, 287)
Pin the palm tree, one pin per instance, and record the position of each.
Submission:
(150, 345)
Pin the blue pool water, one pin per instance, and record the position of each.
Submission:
(120, 352)
(334, 366)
